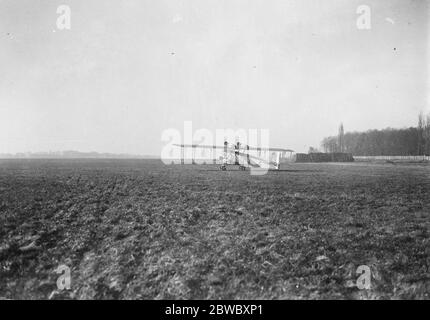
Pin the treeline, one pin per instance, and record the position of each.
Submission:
(387, 142)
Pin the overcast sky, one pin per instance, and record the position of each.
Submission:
(127, 70)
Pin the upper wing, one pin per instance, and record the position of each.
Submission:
(270, 149)
(231, 146)
(198, 146)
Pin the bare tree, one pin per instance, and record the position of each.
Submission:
(426, 135)
(313, 150)
(329, 144)
(341, 139)
(420, 128)
(387, 142)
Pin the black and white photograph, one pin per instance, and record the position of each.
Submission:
(214, 150)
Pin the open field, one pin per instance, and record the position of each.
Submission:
(136, 229)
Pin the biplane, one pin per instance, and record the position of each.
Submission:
(242, 155)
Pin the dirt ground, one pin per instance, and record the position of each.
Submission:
(137, 229)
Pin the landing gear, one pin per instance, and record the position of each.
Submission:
(243, 168)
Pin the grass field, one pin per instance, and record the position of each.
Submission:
(137, 229)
